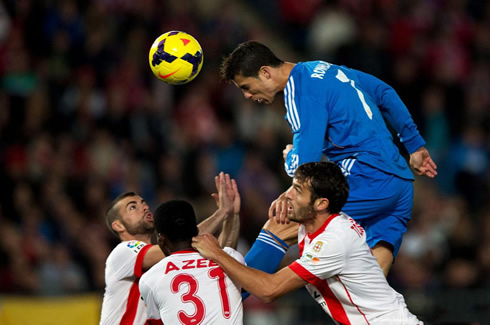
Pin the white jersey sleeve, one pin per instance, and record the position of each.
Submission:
(126, 261)
(235, 254)
(122, 301)
(325, 257)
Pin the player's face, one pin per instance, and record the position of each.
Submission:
(300, 207)
(136, 215)
(261, 90)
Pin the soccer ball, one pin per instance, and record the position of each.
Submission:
(175, 57)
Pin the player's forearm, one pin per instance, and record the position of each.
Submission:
(258, 283)
(213, 223)
(229, 233)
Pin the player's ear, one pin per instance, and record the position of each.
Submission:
(321, 204)
(162, 242)
(118, 226)
(265, 71)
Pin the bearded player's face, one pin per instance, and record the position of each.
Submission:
(136, 215)
(300, 207)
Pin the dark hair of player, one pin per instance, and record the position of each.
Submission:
(246, 61)
(112, 214)
(176, 220)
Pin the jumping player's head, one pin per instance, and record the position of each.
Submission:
(251, 67)
(247, 59)
(175, 223)
(129, 216)
(318, 187)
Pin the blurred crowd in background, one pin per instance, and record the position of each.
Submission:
(83, 119)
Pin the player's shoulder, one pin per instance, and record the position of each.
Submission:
(314, 70)
(127, 248)
(347, 229)
(313, 77)
(235, 254)
(336, 228)
(154, 274)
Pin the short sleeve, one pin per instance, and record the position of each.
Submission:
(324, 258)
(127, 259)
(235, 254)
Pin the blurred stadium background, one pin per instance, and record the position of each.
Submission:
(82, 119)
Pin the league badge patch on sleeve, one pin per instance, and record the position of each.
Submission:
(136, 245)
(318, 246)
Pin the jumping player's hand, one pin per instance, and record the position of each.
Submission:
(422, 163)
(286, 150)
(207, 245)
(287, 232)
(279, 209)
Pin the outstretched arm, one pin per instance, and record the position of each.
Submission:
(267, 287)
(393, 110)
(422, 163)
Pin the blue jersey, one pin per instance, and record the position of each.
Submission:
(337, 111)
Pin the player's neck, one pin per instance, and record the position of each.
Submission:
(312, 225)
(284, 72)
(180, 246)
(146, 238)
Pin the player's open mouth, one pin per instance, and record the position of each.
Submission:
(149, 216)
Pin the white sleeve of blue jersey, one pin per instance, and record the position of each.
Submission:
(393, 110)
(308, 120)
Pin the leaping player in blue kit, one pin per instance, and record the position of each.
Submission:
(340, 113)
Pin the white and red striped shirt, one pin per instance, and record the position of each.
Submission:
(122, 302)
(186, 288)
(344, 277)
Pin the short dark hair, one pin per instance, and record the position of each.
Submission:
(113, 214)
(247, 59)
(176, 220)
(326, 180)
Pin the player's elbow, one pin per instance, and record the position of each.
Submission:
(269, 294)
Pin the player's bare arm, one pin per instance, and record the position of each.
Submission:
(231, 226)
(265, 286)
(422, 163)
(152, 257)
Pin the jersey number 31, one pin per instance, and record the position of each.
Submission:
(191, 297)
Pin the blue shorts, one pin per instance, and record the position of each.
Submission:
(381, 203)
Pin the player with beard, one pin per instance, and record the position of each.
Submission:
(130, 219)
